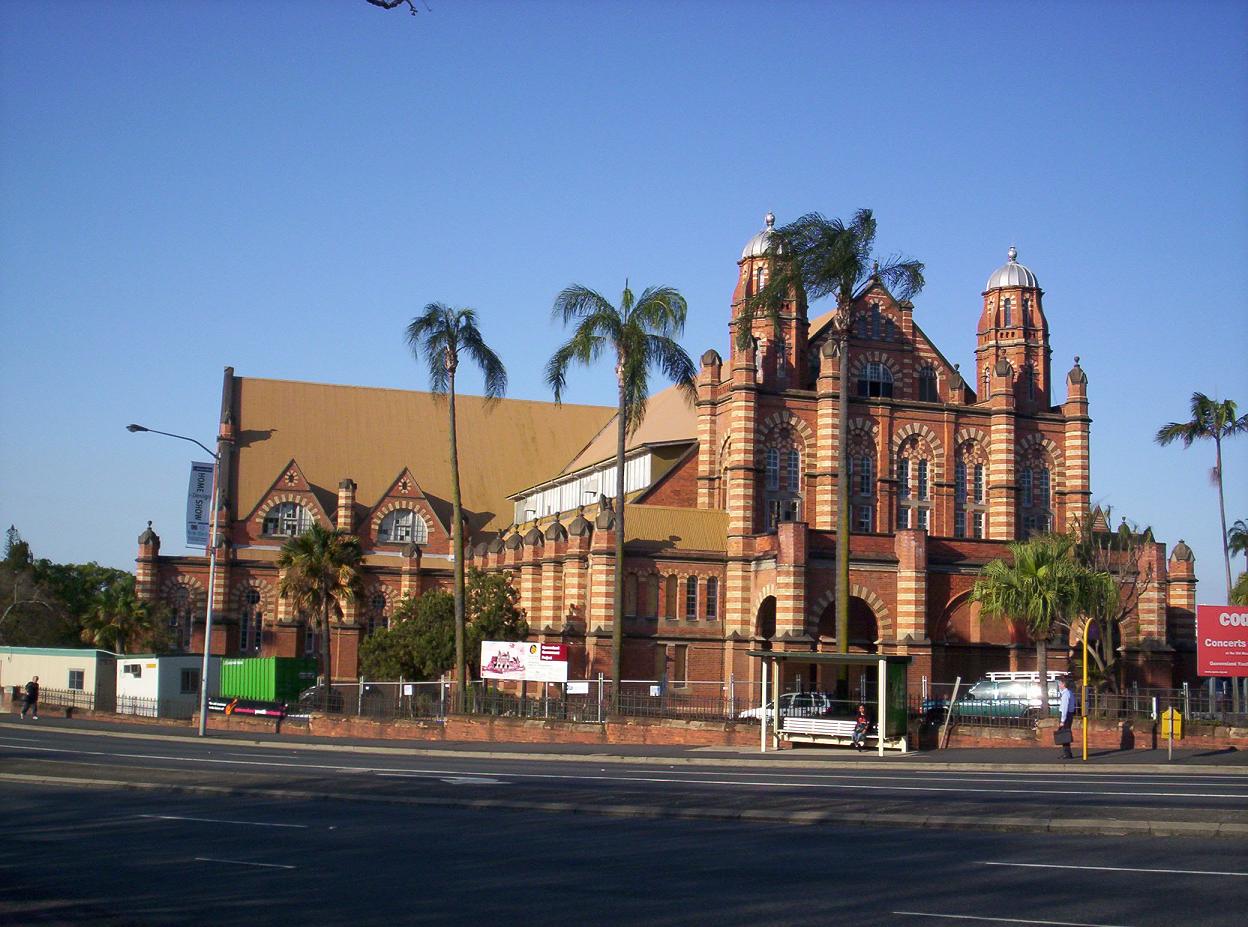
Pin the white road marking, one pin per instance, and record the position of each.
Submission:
(473, 780)
(1209, 872)
(173, 817)
(242, 862)
(756, 783)
(1002, 920)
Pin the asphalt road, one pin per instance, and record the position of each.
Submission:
(708, 786)
(113, 858)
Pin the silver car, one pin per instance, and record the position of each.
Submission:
(793, 705)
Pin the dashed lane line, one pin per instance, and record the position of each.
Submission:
(242, 862)
(174, 817)
(1084, 868)
(1001, 920)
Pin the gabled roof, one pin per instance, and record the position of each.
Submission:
(669, 417)
(369, 434)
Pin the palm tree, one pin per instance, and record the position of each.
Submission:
(116, 617)
(814, 257)
(1216, 420)
(441, 335)
(1237, 538)
(1045, 589)
(320, 569)
(641, 333)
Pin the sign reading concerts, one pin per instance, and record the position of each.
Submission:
(1222, 640)
(522, 660)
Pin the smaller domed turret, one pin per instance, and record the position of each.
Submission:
(757, 246)
(1012, 273)
(1076, 374)
(1182, 552)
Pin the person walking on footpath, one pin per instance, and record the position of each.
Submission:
(1066, 715)
(30, 698)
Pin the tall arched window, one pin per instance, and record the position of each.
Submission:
(861, 325)
(969, 501)
(890, 330)
(760, 279)
(783, 495)
(691, 598)
(650, 608)
(712, 599)
(670, 592)
(287, 520)
(180, 608)
(378, 608)
(862, 485)
(927, 384)
(1007, 313)
(875, 379)
(1035, 496)
(403, 526)
(630, 595)
(875, 321)
(250, 623)
(914, 503)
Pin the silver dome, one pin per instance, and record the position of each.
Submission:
(757, 246)
(1012, 273)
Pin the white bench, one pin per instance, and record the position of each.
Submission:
(838, 731)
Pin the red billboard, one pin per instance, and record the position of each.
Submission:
(1222, 640)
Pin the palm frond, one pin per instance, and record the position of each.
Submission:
(492, 369)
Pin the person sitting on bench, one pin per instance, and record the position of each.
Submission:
(861, 726)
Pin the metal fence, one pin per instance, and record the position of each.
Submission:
(65, 698)
(178, 709)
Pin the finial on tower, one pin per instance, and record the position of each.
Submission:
(770, 219)
(1012, 254)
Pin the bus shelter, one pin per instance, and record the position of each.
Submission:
(888, 708)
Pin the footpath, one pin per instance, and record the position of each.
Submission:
(1190, 761)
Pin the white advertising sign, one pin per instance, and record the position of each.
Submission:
(578, 688)
(522, 660)
(198, 504)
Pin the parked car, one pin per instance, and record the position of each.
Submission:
(793, 705)
(1000, 695)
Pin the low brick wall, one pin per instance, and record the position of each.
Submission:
(1102, 735)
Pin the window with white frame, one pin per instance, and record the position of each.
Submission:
(862, 485)
(77, 679)
(968, 491)
(1035, 509)
(712, 599)
(691, 598)
(783, 484)
(913, 484)
(403, 526)
(875, 380)
(287, 520)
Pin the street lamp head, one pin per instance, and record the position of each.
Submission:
(134, 428)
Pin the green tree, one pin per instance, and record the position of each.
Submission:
(30, 615)
(1211, 420)
(1044, 589)
(815, 257)
(320, 569)
(418, 645)
(1237, 539)
(493, 613)
(117, 620)
(442, 336)
(1239, 592)
(639, 334)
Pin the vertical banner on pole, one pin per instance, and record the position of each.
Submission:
(198, 503)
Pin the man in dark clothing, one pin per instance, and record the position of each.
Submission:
(30, 698)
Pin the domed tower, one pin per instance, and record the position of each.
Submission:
(1012, 355)
(779, 354)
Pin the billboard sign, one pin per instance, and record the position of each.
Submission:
(198, 504)
(1222, 640)
(522, 660)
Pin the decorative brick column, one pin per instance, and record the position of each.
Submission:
(531, 579)
(554, 549)
(1002, 504)
(823, 517)
(1077, 489)
(911, 619)
(346, 506)
(576, 572)
(1181, 598)
(602, 573)
(145, 565)
(708, 432)
(409, 572)
(791, 539)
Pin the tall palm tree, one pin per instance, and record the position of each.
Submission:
(1210, 420)
(641, 333)
(1045, 589)
(116, 617)
(320, 570)
(814, 257)
(441, 336)
(1237, 539)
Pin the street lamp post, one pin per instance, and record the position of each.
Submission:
(212, 571)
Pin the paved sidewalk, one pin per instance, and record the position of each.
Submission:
(1186, 761)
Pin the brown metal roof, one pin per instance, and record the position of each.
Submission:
(670, 416)
(369, 435)
(663, 527)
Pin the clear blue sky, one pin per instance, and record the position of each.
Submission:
(281, 186)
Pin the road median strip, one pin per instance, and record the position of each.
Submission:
(1001, 823)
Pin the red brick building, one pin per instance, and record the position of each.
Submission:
(730, 528)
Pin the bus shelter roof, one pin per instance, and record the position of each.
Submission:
(848, 659)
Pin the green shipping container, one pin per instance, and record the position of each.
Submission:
(267, 679)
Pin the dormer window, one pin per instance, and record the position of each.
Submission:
(287, 520)
(875, 380)
(403, 526)
(927, 384)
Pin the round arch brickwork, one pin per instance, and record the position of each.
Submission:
(779, 420)
(396, 505)
(268, 595)
(874, 602)
(307, 500)
(1033, 444)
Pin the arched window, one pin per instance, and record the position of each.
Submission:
(861, 324)
(987, 385)
(1035, 496)
(403, 526)
(875, 379)
(1028, 377)
(691, 598)
(1007, 314)
(311, 641)
(969, 510)
(630, 595)
(862, 485)
(712, 599)
(250, 623)
(670, 591)
(913, 495)
(760, 279)
(287, 520)
(875, 321)
(378, 608)
(650, 608)
(783, 497)
(180, 608)
(927, 384)
(890, 330)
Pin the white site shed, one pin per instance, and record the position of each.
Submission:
(164, 686)
(71, 677)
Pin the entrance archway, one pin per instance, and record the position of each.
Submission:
(765, 622)
(864, 630)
